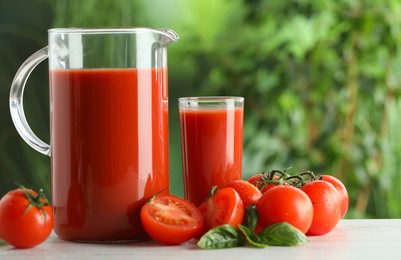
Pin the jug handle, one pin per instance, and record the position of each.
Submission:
(16, 101)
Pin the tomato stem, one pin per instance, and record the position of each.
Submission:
(156, 194)
(39, 201)
(308, 174)
(281, 177)
(279, 173)
(213, 191)
(296, 181)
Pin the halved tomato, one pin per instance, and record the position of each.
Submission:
(171, 220)
(224, 207)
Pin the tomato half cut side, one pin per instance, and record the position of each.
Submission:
(224, 207)
(171, 220)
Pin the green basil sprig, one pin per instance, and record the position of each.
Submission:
(252, 238)
(251, 218)
(224, 236)
(280, 234)
(283, 234)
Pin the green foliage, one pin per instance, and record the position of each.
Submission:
(95, 13)
(321, 81)
(20, 36)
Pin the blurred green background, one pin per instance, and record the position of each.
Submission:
(321, 79)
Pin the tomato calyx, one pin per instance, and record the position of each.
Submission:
(273, 177)
(301, 179)
(35, 200)
(213, 191)
(280, 177)
(155, 196)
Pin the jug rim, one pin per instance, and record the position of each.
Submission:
(114, 30)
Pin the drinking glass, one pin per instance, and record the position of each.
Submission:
(211, 143)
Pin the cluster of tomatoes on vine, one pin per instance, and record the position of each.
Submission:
(313, 204)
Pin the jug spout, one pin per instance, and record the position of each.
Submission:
(170, 35)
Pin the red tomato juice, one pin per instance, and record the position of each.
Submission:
(211, 149)
(109, 150)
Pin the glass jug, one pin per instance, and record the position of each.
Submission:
(108, 127)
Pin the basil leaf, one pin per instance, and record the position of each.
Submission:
(283, 234)
(224, 236)
(251, 218)
(2, 242)
(252, 238)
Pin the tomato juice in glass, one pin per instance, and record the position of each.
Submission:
(211, 143)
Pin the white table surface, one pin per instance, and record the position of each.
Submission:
(351, 239)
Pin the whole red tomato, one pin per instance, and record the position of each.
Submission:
(326, 206)
(285, 203)
(265, 181)
(26, 218)
(170, 219)
(257, 179)
(249, 193)
(342, 191)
